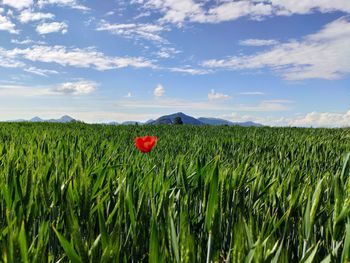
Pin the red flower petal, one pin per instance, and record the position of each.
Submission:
(146, 143)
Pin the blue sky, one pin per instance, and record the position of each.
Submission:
(276, 62)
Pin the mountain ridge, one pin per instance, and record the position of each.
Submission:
(165, 119)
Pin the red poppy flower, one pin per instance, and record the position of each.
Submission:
(145, 144)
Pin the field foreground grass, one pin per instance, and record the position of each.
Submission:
(84, 193)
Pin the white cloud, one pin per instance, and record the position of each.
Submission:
(159, 91)
(203, 11)
(22, 91)
(18, 4)
(110, 13)
(289, 7)
(82, 58)
(27, 42)
(167, 52)
(77, 88)
(322, 119)
(7, 25)
(80, 87)
(47, 28)
(264, 106)
(264, 120)
(191, 71)
(212, 95)
(136, 31)
(252, 93)
(63, 3)
(258, 42)
(233, 10)
(324, 55)
(129, 95)
(7, 60)
(27, 16)
(312, 119)
(40, 72)
(176, 11)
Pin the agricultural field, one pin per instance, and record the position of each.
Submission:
(84, 193)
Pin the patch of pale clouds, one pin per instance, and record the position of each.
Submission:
(74, 4)
(76, 57)
(252, 93)
(54, 27)
(258, 42)
(265, 106)
(18, 4)
(40, 72)
(212, 95)
(181, 11)
(7, 25)
(190, 70)
(28, 16)
(27, 42)
(323, 119)
(128, 95)
(77, 88)
(159, 91)
(167, 52)
(149, 32)
(323, 55)
(311, 119)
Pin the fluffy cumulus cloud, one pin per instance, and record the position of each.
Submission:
(303, 59)
(212, 95)
(322, 119)
(28, 15)
(159, 91)
(77, 88)
(76, 57)
(289, 7)
(54, 27)
(18, 4)
(135, 31)
(311, 119)
(8, 61)
(203, 11)
(7, 25)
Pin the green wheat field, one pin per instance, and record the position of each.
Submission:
(84, 193)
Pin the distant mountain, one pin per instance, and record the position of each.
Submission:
(149, 121)
(131, 123)
(112, 123)
(248, 124)
(63, 119)
(169, 119)
(217, 122)
(36, 119)
(166, 119)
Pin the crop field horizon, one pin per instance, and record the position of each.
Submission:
(84, 193)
